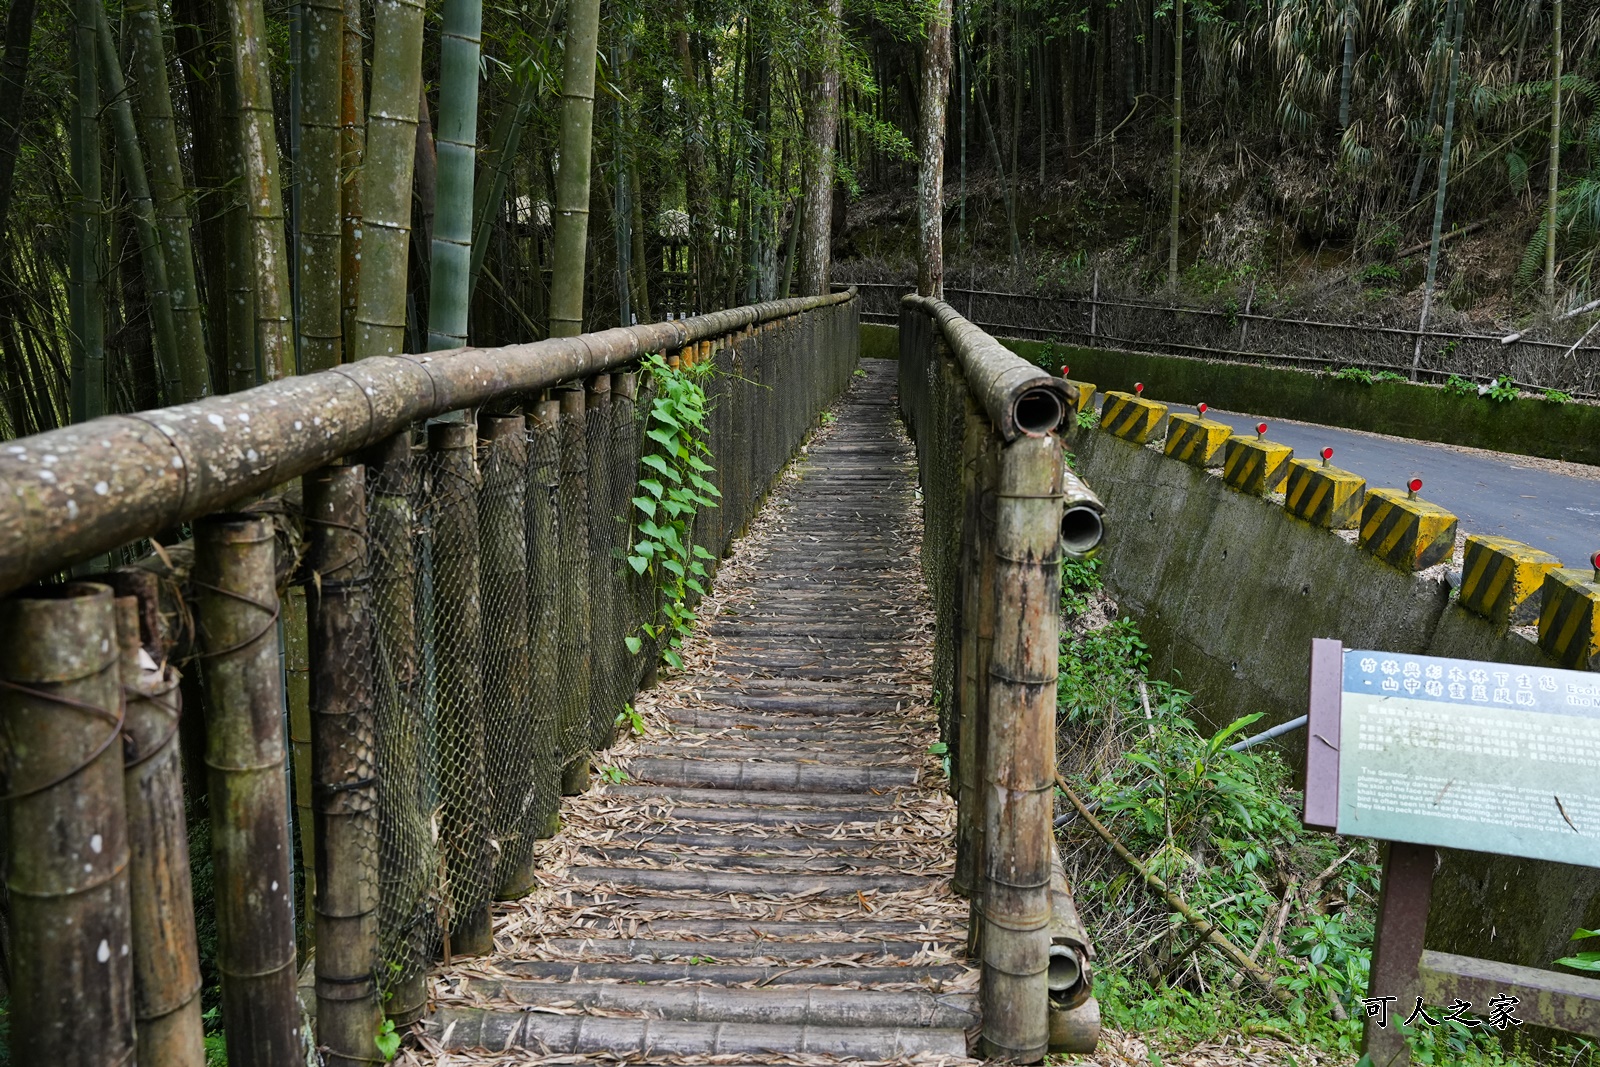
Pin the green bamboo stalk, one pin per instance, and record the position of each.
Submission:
(242, 343)
(1458, 8)
(166, 959)
(71, 980)
(352, 146)
(450, 276)
(458, 636)
(86, 251)
(297, 689)
(131, 159)
(1174, 216)
(343, 746)
(386, 173)
(258, 156)
(320, 218)
(152, 102)
(572, 180)
(1554, 178)
(246, 747)
(498, 160)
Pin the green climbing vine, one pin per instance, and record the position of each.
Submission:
(673, 487)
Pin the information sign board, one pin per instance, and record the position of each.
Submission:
(1462, 754)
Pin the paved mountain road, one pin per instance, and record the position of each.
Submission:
(1550, 506)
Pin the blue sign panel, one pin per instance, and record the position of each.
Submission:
(1462, 754)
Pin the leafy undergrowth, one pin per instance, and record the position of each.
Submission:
(1222, 829)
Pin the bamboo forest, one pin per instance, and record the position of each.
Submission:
(586, 532)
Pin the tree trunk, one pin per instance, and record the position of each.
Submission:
(1177, 146)
(269, 261)
(321, 207)
(930, 180)
(386, 175)
(450, 285)
(86, 238)
(1444, 181)
(572, 182)
(1555, 154)
(822, 128)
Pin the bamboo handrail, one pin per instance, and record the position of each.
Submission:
(72, 493)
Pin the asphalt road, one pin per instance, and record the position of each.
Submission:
(1490, 492)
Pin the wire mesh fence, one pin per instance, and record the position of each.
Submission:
(464, 640)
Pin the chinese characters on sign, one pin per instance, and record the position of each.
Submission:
(1482, 756)
(1502, 1013)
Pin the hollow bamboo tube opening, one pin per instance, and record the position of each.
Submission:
(344, 756)
(166, 959)
(71, 966)
(238, 610)
(457, 628)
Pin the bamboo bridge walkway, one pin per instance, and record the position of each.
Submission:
(767, 873)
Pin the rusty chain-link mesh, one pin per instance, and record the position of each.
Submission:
(501, 602)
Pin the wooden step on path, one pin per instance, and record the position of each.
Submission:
(765, 876)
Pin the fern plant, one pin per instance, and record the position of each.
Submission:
(673, 487)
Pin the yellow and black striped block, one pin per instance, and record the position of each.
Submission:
(1403, 532)
(1499, 577)
(1085, 393)
(1196, 439)
(1569, 619)
(1323, 496)
(1130, 417)
(1254, 467)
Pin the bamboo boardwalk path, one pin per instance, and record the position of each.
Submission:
(763, 876)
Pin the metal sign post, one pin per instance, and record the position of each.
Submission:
(1423, 752)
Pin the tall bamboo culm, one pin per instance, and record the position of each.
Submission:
(572, 180)
(85, 236)
(321, 203)
(352, 146)
(71, 979)
(246, 747)
(344, 758)
(166, 959)
(450, 272)
(386, 172)
(152, 101)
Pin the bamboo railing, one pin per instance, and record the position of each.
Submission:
(441, 609)
(1000, 508)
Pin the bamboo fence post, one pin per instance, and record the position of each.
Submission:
(625, 439)
(71, 980)
(971, 671)
(503, 542)
(545, 617)
(237, 598)
(458, 638)
(166, 958)
(405, 870)
(344, 752)
(297, 685)
(577, 615)
(1019, 770)
(604, 634)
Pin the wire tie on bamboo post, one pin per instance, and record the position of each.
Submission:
(117, 721)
